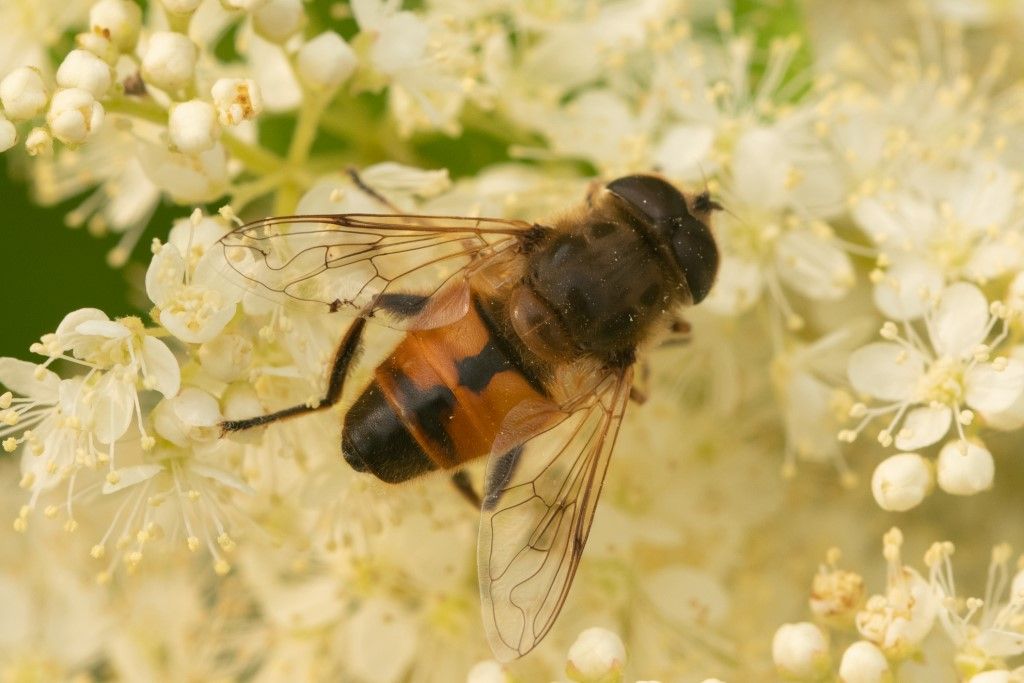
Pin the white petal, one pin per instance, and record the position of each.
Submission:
(161, 366)
(166, 273)
(999, 643)
(737, 288)
(923, 427)
(896, 222)
(964, 474)
(108, 329)
(761, 164)
(684, 150)
(885, 370)
(960, 321)
(907, 287)
(75, 318)
(222, 477)
(382, 641)
(989, 390)
(113, 409)
(20, 377)
(196, 408)
(130, 476)
(814, 266)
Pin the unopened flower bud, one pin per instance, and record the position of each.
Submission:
(23, 93)
(8, 134)
(800, 651)
(39, 142)
(900, 482)
(236, 100)
(82, 69)
(863, 662)
(117, 20)
(326, 61)
(170, 60)
(597, 655)
(193, 126)
(965, 474)
(278, 20)
(74, 114)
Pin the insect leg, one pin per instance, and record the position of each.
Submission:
(678, 333)
(347, 350)
(372, 193)
(641, 382)
(462, 484)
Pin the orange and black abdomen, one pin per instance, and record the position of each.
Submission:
(438, 400)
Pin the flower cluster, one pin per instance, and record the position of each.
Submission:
(867, 317)
(917, 617)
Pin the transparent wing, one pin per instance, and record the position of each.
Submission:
(538, 508)
(384, 266)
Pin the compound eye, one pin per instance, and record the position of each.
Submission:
(697, 254)
(651, 196)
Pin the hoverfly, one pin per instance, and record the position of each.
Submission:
(520, 343)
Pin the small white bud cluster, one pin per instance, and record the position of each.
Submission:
(278, 20)
(800, 651)
(598, 655)
(236, 100)
(901, 481)
(169, 62)
(74, 114)
(863, 662)
(325, 62)
(193, 126)
(117, 21)
(84, 70)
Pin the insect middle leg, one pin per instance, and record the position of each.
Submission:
(347, 351)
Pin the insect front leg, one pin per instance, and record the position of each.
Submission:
(358, 181)
(347, 350)
(462, 484)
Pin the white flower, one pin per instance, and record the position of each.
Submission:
(983, 632)
(324, 62)
(169, 62)
(195, 300)
(278, 20)
(800, 651)
(186, 178)
(84, 70)
(118, 20)
(965, 468)
(236, 100)
(227, 357)
(927, 388)
(123, 358)
(863, 662)
(73, 115)
(597, 655)
(193, 126)
(900, 619)
(23, 93)
(901, 482)
(836, 594)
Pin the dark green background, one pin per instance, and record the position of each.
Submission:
(48, 269)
